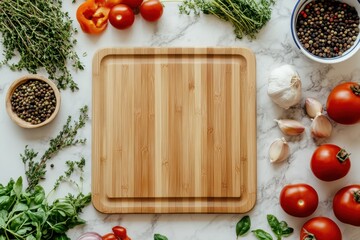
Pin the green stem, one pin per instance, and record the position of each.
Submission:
(355, 89)
(357, 196)
(342, 155)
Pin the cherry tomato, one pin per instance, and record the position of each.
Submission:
(320, 228)
(111, 3)
(133, 3)
(120, 232)
(151, 10)
(329, 162)
(299, 200)
(109, 236)
(343, 103)
(346, 205)
(121, 16)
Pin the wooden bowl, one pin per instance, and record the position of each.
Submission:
(14, 86)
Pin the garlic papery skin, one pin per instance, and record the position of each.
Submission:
(321, 127)
(313, 107)
(284, 86)
(279, 150)
(290, 127)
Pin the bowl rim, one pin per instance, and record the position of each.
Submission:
(20, 122)
(348, 54)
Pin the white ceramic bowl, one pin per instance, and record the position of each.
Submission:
(349, 53)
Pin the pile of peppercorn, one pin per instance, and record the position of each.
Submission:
(33, 101)
(327, 28)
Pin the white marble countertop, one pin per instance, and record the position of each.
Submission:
(273, 47)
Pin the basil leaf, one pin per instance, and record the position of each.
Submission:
(30, 237)
(4, 200)
(285, 230)
(159, 237)
(19, 207)
(274, 224)
(23, 230)
(243, 226)
(262, 235)
(2, 222)
(2, 237)
(18, 187)
(39, 195)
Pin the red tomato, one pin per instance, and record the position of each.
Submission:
(299, 200)
(111, 3)
(121, 16)
(109, 236)
(346, 205)
(120, 232)
(133, 3)
(329, 162)
(151, 10)
(320, 228)
(343, 103)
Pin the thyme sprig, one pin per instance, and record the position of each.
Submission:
(42, 35)
(247, 16)
(36, 170)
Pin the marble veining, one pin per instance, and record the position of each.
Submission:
(273, 47)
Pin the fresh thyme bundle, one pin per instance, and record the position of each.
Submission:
(247, 16)
(26, 214)
(42, 35)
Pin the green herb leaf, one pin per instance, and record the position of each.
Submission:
(247, 17)
(39, 194)
(30, 237)
(285, 229)
(274, 224)
(159, 237)
(18, 187)
(19, 207)
(280, 229)
(243, 226)
(262, 235)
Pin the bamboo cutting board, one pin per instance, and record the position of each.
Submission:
(174, 130)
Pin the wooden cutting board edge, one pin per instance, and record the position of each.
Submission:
(248, 198)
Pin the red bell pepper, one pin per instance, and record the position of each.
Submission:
(93, 16)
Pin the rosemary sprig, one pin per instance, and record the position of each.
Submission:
(42, 35)
(247, 16)
(36, 170)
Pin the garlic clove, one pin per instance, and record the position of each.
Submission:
(313, 107)
(290, 127)
(321, 126)
(279, 150)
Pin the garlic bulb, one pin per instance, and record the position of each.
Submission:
(290, 127)
(313, 107)
(284, 86)
(279, 150)
(321, 126)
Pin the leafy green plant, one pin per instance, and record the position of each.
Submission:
(42, 35)
(280, 229)
(26, 214)
(247, 16)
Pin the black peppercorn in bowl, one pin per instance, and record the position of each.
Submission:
(326, 31)
(32, 101)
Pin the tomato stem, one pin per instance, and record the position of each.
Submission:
(357, 196)
(355, 89)
(309, 236)
(342, 155)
